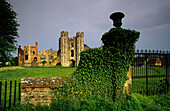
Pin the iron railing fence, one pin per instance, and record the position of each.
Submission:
(10, 94)
(150, 72)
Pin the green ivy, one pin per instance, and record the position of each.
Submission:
(102, 71)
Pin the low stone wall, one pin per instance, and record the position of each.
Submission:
(36, 90)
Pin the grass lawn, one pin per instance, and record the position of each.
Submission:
(18, 72)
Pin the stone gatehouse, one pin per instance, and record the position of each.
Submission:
(67, 55)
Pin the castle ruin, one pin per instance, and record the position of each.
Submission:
(67, 55)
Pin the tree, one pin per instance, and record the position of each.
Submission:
(14, 61)
(8, 31)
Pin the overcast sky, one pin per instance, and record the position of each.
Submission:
(43, 20)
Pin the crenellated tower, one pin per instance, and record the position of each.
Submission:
(79, 45)
(70, 48)
(64, 48)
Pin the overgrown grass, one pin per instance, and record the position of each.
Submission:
(134, 102)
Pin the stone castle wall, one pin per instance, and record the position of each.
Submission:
(36, 90)
(68, 54)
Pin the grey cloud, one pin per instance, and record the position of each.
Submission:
(42, 20)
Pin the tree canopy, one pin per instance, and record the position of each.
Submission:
(8, 31)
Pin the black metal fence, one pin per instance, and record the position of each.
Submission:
(150, 72)
(10, 94)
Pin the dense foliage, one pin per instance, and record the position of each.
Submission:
(8, 31)
(102, 72)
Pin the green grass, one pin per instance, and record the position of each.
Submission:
(17, 72)
(133, 102)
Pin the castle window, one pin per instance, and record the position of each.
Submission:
(72, 53)
(42, 57)
(26, 57)
(33, 52)
(35, 58)
(71, 45)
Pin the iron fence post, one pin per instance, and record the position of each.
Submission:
(167, 72)
(15, 92)
(5, 95)
(19, 91)
(0, 93)
(146, 74)
(10, 94)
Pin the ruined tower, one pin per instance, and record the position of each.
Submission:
(79, 45)
(28, 55)
(68, 54)
(70, 48)
(64, 49)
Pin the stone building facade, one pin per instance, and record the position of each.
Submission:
(67, 55)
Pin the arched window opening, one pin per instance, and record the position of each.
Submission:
(35, 58)
(72, 53)
(26, 57)
(42, 57)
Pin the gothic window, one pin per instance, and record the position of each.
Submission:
(72, 53)
(33, 52)
(26, 57)
(71, 45)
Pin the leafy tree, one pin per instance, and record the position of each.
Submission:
(14, 61)
(8, 31)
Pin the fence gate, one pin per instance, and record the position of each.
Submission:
(150, 72)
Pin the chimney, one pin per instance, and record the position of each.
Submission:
(19, 50)
(36, 47)
(36, 44)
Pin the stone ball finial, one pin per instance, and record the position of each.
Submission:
(117, 18)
